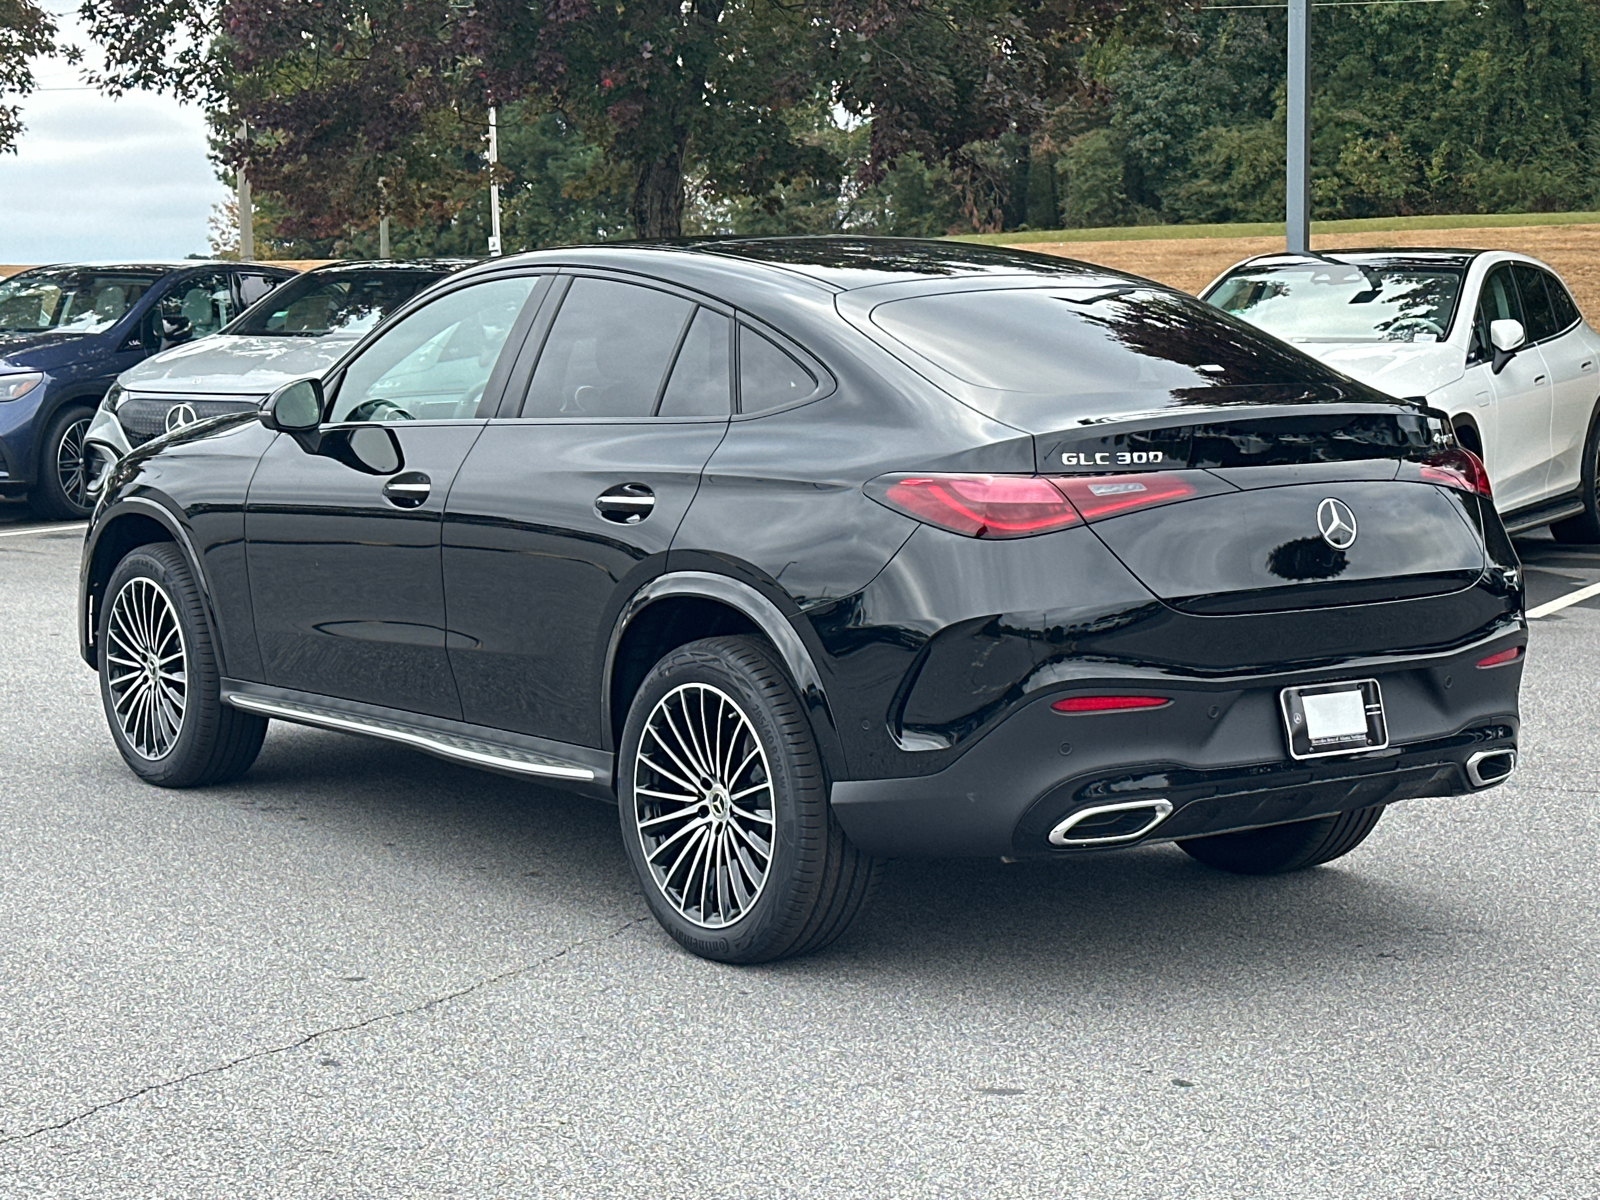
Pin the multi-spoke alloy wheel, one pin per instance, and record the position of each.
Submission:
(147, 669)
(72, 474)
(159, 679)
(703, 794)
(724, 808)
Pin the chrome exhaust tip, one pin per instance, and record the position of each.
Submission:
(1110, 824)
(1489, 767)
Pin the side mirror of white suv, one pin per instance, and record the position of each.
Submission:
(1507, 337)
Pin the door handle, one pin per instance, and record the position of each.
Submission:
(1538, 378)
(1587, 365)
(408, 490)
(626, 504)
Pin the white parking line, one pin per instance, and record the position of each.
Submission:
(41, 529)
(1560, 602)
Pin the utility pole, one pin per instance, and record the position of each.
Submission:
(494, 187)
(1297, 178)
(247, 216)
(383, 216)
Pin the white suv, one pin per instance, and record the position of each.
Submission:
(1493, 339)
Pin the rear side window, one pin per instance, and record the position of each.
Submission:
(1541, 317)
(701, 383)
(769, 376)
(1566, 311)
(608, 352)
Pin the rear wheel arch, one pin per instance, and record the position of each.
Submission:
(675, 609)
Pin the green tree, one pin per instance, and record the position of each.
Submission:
(26, 32)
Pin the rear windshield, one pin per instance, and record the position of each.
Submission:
(315, 305)
(1080, 341)
(1335, 302)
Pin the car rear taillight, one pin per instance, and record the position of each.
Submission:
(1100, 496)
(981, 506)
(1095, 704)
(1501, 658)
(1457, 468)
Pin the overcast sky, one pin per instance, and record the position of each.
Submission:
(95, 178)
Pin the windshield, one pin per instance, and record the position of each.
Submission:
(317, 304)
(75, 301)
(1334, 302)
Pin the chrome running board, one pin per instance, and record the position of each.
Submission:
(478, 751)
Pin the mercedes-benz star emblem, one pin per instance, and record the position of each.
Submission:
(180, 415)
(1336, 523)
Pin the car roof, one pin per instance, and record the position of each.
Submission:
(368, 266)
(160, 266)
(1389, 255)
(836, 264)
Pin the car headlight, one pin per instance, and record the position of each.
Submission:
(13, 387)
(112, 398)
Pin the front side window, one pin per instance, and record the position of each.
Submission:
(434, 364)
(72, 301)
(197, 306)
(1335, 302)
(1498, 301)
(608, 351)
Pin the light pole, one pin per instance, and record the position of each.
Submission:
(494, 187)
(247, 216)
(1298, 168)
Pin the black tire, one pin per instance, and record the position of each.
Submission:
(213, 743)
(815, 882)
(62, 490)
(1281, 848)
(1584, 529)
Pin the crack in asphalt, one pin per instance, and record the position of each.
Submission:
(322, 1033)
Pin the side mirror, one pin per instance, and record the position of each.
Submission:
(294, 408)
(1507, 338)
(174, 331)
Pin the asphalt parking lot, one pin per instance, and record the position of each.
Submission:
(365, 972)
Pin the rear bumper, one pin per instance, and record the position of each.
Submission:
(1217, 755)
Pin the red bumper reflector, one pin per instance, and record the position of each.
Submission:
(1089, 704)
(1501, 658)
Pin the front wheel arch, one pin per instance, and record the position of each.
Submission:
(131, 523)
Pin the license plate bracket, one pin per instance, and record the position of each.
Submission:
(1323, 719)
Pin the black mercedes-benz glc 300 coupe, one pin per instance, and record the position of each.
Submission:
(810, 553)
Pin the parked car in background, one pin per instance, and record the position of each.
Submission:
(1492, 338)
(298, 332)
(812, 552)
(66, 332)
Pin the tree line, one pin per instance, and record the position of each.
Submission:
(660, 118)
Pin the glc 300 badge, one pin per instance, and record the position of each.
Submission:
(180, 415)
(1336, 523)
